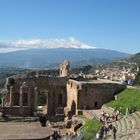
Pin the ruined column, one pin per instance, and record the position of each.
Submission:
(2, 99)
(35, 99)
(21, 97)
(11, 95)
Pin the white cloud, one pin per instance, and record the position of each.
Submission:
(9, 46)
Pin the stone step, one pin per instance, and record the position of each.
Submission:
(138, 113)
(128, 128)
(128, 123)
(123, 125)
(137, 119)
(115, 124)
(133, 136)
(124, 138)
(128, 136)
(136, 135)
(119, 127)
(122, 128)
(133, 121)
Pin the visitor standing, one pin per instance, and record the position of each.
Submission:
(114, 132)
(97, 136)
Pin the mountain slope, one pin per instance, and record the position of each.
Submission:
(134, 58)
(44, 57)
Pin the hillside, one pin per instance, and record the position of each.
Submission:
(128, 98)
(53, 57)
(134, 58)
(137, 79)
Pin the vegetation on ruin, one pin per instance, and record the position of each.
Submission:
(90, 129)
(129, 98)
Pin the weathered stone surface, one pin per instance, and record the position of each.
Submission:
(90, 94)
(24, 130)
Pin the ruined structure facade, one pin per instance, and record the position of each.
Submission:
(22, 94)
(64, 68)
(62, 93)
(83, 95)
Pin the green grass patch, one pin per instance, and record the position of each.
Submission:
(130, 98)
(90, 128)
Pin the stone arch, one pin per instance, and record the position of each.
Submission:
(42, 97)
(25, 99)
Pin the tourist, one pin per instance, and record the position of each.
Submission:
(114, 132)
(117, 114)
(107, 116)
(43, 120)
(112, 117)
(110, 126)
(66, 137)
(97, 136)
(105, 131)
(51, 138)
(101, 132)
(55, 135)
(58, 131)
(100, 117)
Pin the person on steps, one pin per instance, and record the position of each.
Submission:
(114, 132)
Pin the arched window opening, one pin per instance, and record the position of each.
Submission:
(16, 99)
(25, 99)
(42, 98)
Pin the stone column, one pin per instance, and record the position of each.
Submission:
(11, 95)
(126, 112)
(35, 99)
(2, 99)
(21, 97)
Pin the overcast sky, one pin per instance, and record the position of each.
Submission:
(112, 24)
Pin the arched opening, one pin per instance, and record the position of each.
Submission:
(42, 102)
(73, 108)
(25, 99)
(60, 99)
(96, 104)
(42, 98)
(16, 99)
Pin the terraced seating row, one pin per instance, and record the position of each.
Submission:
(128, 128)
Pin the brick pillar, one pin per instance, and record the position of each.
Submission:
(11, 95)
